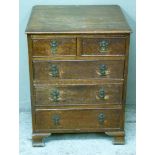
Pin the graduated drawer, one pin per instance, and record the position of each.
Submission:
(53, 95)
(56, 46)
(112, 46)
(50, 70)
(74, 119)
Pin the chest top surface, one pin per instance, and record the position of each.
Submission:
(77, 19)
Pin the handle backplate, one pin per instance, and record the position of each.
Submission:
(101, 93)
(54, 70)
(56, 120)
(104, 45)
(101, 118)
(103, 70)
(55, 95)
(54, 46)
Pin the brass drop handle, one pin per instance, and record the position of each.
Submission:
(102, 70)
(101, 118)
(54, 70)
(101, 93)
(54, 45)
(55, 95)
(104, 45)
(56, 120)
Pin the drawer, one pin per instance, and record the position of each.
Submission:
(59, 119)
(53, 95)
(103, 46)
(101, 69)
(54, 47)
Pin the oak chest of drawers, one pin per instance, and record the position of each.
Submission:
(78, 60)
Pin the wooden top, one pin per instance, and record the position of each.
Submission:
(77, 19)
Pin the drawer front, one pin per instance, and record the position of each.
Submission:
(77, 119)
(78, 94)
(54, 47)
(50, 70)
(103, 46)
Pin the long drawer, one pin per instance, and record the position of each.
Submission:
(77, 119)
(95, 69)
(72, 94)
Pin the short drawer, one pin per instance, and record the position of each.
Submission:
(50, 70)
(103, 46)
(54, 47)
(56, 119)
(53, 95)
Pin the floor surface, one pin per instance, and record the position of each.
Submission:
(78, 144)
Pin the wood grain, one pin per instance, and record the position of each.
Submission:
(79, 94)
(91, 46)
(77, 70)
(77, 119)
(79, 19)
(65, 47)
